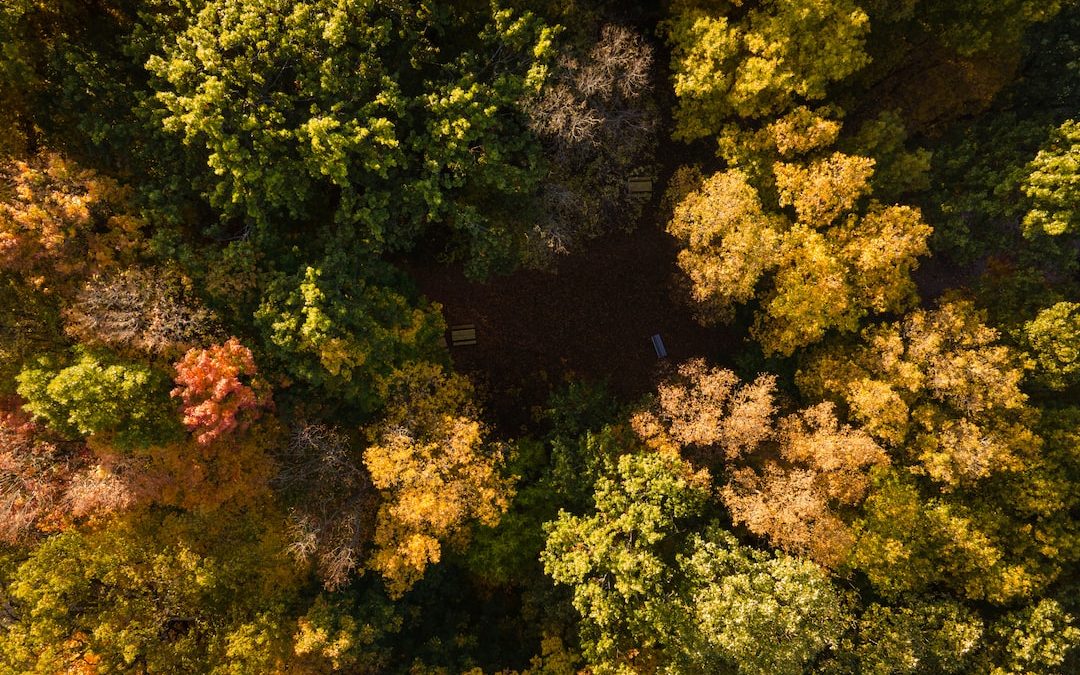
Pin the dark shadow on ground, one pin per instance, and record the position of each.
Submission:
(591, 318)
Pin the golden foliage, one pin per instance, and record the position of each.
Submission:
(233, 470)
(937, 386)
(880, 250)
(435, 472)
(787, 506)
(803, 130)
(61, 222)
(825, 188)
(813, 470)
(825, 269)
(730, 242)
(811, 293)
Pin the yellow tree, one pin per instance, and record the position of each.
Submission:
(807, 244)
(979, 498)
(810, 294)
(790, 223)
(729, 240)
(935, 387)
(730, 61)
(435, 471)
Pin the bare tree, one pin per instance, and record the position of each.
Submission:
(598, 124)
(333, 516)
(35, 473)
(116, 483)
(144, 310)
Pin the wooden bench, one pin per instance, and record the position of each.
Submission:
(640, 187)
(658, 345)
(463, 335)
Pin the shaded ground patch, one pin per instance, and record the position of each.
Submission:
(591, 317)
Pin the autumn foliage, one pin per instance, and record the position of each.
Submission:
(788, 478)
(220, 390)
(939, 387)
(34, 477)
(241, 240)
(435, 471)
(60, 222)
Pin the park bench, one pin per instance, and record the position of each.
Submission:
(658, 345)
(463, 335)
(640, 187)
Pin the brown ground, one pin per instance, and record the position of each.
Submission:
(590, 318)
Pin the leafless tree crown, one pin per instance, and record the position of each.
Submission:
(334, 501)
(145, 310)
(598, 123)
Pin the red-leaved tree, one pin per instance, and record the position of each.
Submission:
(35, 474)
(220, 390)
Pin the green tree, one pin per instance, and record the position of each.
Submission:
(342, 632)
(760, 612)
(17, 77)
(378, 117)
(126, 403)
(340, 329)
(908, 543)
(1035, 639)
(153, 592)
(967, 26)
(30, 327)
(928, 636)
(714, 602)
(1054, 336)
(624, 589)
(553, 473)
(1005, 539)
(1053, 184)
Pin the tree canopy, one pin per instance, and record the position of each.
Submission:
(551, 337)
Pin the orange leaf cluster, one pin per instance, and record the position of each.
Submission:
(60, 222)
(220, 390)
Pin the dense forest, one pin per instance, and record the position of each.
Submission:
(325, 336)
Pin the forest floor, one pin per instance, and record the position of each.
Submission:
(589, 318)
